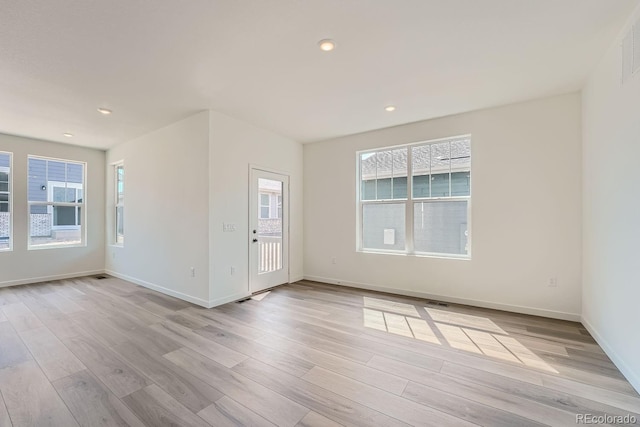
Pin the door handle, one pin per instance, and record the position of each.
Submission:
(255, 240)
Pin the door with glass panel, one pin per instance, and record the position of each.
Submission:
(268, 230)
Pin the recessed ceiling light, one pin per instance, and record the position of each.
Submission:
(390, 108)
(68, 135)
(104, 111)
(327, 45)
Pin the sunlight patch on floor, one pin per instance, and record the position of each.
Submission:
(473, 334)
(391, 306)
(260, 297)
(468, 320)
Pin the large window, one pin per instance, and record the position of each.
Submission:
(119, 203)
(5, 201)
(56, 203)
(416, 199)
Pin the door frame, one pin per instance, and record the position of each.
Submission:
(252, 167)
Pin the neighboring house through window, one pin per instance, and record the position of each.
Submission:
(270, 205)
(5, 201)
(56, 197)
(416, 198)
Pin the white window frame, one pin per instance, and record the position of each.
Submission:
(9, 171)
(50, 204)
(409, 202)
(118, 238)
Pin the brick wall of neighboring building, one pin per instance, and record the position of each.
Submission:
(40, 225)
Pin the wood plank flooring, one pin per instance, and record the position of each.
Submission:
(107, 352)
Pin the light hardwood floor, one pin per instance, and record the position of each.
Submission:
(107, 352)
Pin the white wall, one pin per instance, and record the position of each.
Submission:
(526, 214)
(234, 146)
(24, 266)
(611, 233)
(166, 215)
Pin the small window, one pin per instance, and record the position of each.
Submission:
(119, 203)
(416, 198)
(265, 205)
(5, 202)
(56, 197)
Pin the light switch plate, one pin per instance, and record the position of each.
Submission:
(227, 227)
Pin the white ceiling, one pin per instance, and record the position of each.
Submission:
(156, 61)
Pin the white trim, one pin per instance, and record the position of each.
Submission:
(226, 300)
(574, 317)
(195, 300)
(625, 369)
(296, 279)
(49, 278)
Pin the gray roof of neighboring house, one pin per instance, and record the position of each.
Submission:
(428, 158)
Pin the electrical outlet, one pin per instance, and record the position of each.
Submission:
(553, 282)
(333, 260)
(233, 270)
(193, 272)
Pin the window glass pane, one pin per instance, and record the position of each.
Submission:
(441, 227)
(420, 166)
(400, 188)
(369, 189)
(461, 167)
(383, 226)
(440, 185)
(384, 188)
(4, 197)
(64, 215)
(4, 186)
(421, 186)
(43, 232)
(460, 183)
(383, 174)
(71, 195)
(75, 173)
(58, 194)
(119, 224)
(440, 163)
(264, 199)
(264, 212)
(399, 173)
(37, 180)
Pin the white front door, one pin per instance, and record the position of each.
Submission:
(268, 230)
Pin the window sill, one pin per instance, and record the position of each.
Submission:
(45, 247)
(418, 255)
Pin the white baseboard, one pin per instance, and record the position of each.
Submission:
(631, 376)
(455, 300)
(49, 278)
(195, 300)
(296, 279)
(225, 300)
